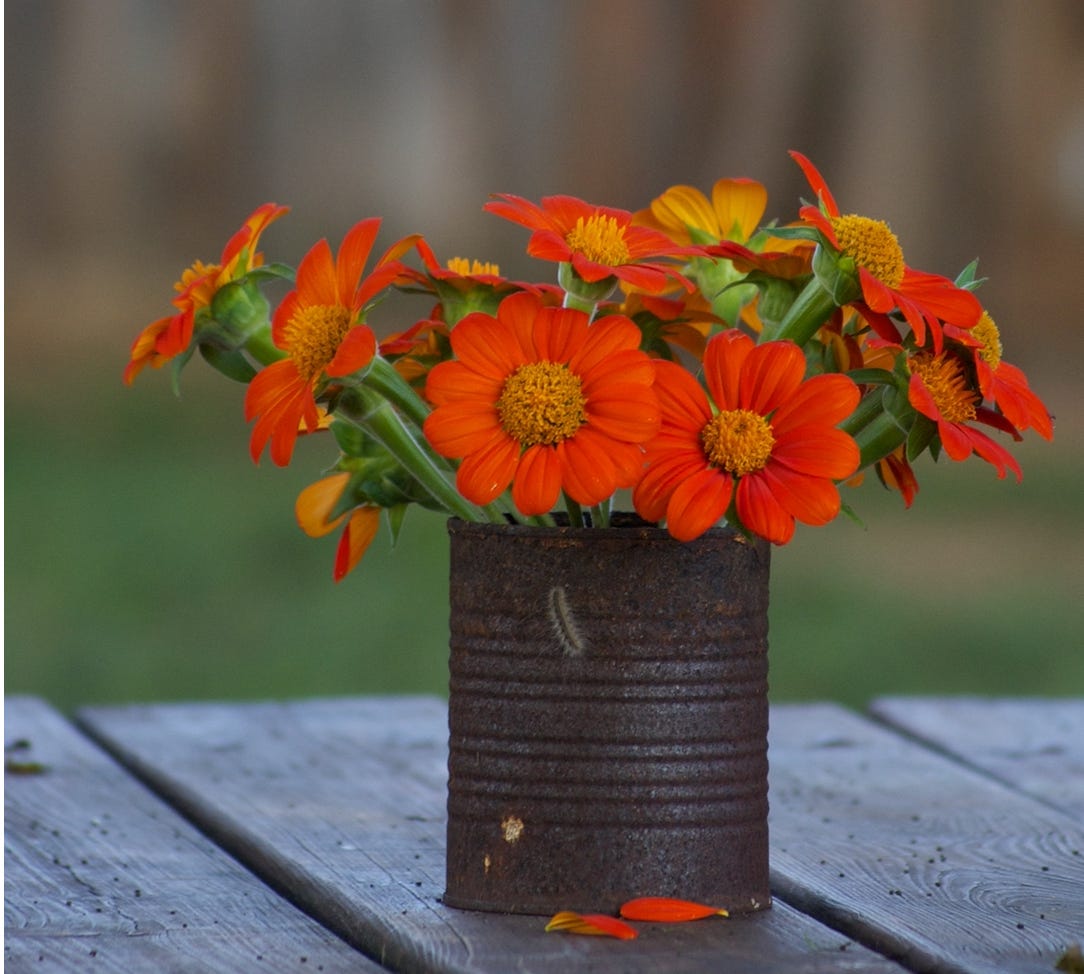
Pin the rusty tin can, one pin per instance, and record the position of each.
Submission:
(608, 718)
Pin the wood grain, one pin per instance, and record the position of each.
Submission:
(935, 864)
(341, 803)
(1034, 746)
(100, 875)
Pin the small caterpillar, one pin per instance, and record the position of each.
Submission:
(564, 625)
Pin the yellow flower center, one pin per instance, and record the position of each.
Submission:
(313, 336)
(472, 268)
(987, 333)
(739, 441)
(199, 281)
(944, 376)
(872, 246)
(542, 402)
(600, 239)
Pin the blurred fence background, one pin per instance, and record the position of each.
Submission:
(148, 558)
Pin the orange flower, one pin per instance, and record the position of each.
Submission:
(686, 215)
(886, 281)
(940, 390)
(166, 338)
(1006, 385)
(598, 241)
(769, 442)
(319, 325)
(314, 508)
(540, 399)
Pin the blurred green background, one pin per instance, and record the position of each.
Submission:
(148, 558)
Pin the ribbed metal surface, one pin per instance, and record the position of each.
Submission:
(608, 718)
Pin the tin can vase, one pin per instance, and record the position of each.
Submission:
(608, 718)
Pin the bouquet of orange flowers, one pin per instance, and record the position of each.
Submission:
(717, 368)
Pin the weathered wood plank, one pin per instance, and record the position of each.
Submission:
(935, 864)
(342, 802)
(1036, 746)
(100, 875)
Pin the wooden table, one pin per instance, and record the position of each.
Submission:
(926, 835)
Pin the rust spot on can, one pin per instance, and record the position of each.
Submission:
(609, 689)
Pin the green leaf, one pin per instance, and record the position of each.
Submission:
(267, 272)
(231, 364)
(871, 377)
(967, 277)
(396, 515)
(923, 434)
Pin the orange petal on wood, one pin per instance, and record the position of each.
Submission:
(662, 909)
(591, 924)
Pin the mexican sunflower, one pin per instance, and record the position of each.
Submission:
(168, 337)
(924, 300)
(764, 440)
(687, 216)
(1006, 385)
(320, 328)
(939, 389)
(599, 242)
(538, 398)
(314, 509)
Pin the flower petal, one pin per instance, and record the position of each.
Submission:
(360, 530)
(663, 909)
(698, 503)
(592, 924)
(538, 481)
(485, 473)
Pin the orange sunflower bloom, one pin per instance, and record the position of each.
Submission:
(599, 242)
(688, 217)
(166, 338)
(764, 440)
(540, 399)
(319, 325)
(1003, 384)
(314, 508)
(940, 390)
(924, 300)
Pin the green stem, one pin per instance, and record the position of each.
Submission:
(368, 410)
(876, 431)
(810, 310)
(384, 379)
(575, 513)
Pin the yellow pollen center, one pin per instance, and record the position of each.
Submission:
(739, 441)
(987, 333)
(542, 402)
(600, 239)
(872, 246)
(313, 337)
(196, 271)
(472, 268)
(943, 375)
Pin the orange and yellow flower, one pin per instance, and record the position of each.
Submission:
(599, 242)
(1004, 384)
(540, 399)
(688, 217)
(320, 327)
(765, 440)
(168, 337)
(939, 388)
(314, 508)
(887, 283)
